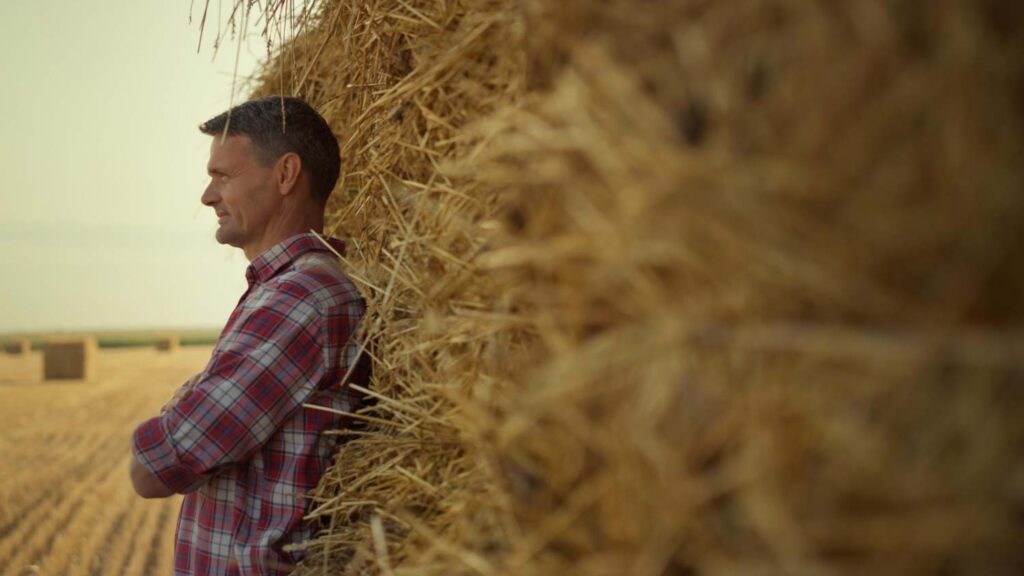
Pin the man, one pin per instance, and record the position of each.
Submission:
(236, 439)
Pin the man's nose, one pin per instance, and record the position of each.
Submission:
(210, 196)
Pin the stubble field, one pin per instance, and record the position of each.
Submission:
(66, 503)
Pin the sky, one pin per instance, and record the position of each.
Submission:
(102, 167)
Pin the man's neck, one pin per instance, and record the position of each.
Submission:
(283, 231)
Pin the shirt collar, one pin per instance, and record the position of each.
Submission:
(273, 259)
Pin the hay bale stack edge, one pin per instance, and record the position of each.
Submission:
(167, 342)
(677, 288)
(70, 358)
(18, 346)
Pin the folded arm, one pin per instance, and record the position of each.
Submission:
(260, 374)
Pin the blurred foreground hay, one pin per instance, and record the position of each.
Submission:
(677, 288)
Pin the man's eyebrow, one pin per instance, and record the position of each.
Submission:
(212, 170)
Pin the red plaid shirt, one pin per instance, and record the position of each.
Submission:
(242, 447)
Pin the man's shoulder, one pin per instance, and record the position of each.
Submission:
(316, 278)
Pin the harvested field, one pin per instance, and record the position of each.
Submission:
(66, 503)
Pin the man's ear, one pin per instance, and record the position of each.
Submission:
(289, 167)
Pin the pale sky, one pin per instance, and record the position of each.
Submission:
(102, 167)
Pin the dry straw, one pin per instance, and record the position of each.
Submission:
(675, 288)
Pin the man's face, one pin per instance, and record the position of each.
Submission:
(241, 191)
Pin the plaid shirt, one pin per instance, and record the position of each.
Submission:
(241, 446)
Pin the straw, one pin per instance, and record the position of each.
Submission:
(675, 288)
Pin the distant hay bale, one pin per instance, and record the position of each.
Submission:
(167, 343)
(70, 358)
(677, 288)
(18, 346)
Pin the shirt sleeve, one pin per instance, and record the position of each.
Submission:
(262, 371)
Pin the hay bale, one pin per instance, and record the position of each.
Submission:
(18, 346)
(679, 287)
(167, 343)
(70, 358)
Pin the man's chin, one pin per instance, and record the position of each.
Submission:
(225, 236)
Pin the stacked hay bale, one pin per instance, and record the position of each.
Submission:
(677, 288)
(70, 358)
(167, 342)
(18, 346)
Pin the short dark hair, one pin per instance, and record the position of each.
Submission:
(278, 125)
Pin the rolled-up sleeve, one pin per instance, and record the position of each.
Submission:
(264, 368)
(152, 448)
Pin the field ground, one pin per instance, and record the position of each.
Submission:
(66, 503)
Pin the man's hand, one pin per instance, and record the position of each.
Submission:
(181, 393)
(146, 483)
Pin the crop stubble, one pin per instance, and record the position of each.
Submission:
(66, 505)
